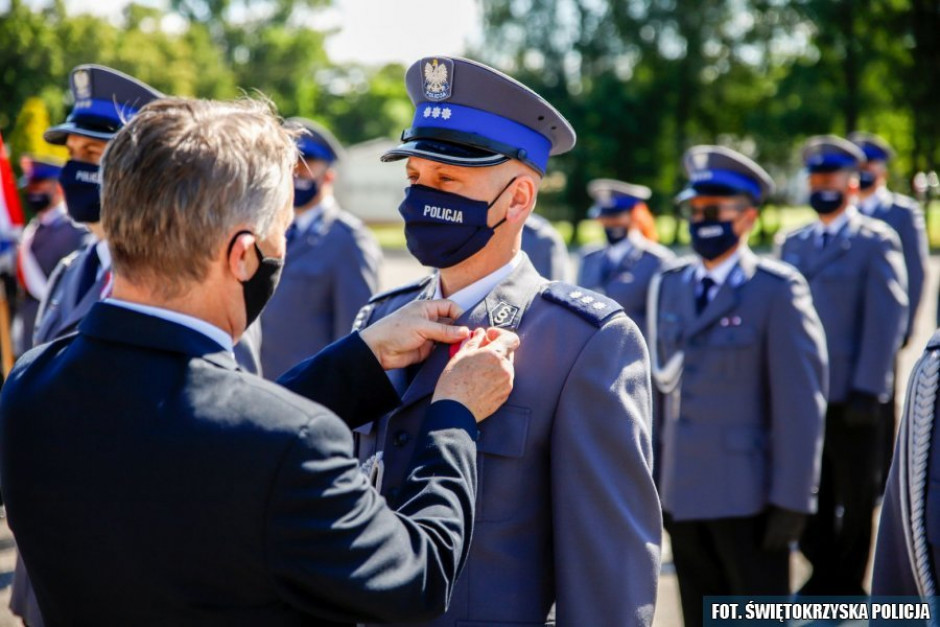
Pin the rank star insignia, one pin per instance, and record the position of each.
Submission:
(503, 315)
(438, 79)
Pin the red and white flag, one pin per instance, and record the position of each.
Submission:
(11, 212)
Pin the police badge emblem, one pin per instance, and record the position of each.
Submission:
(438, 79)
(700, 160)
(503, 315)
(82, 83)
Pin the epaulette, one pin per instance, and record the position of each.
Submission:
(348, 221)
(593, 307)
(402, 289)
(591, 249)
(659, 251)
(876, 226)
(776, 267)
(905, 202)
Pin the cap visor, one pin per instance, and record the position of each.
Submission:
(445, 152)
(58, 135)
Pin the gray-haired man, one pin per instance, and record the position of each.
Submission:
(203, 494)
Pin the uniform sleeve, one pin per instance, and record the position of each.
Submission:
(356, 279)
(605, 510)
(913, 234)
(885, 318)
(892, 574)
(336, 550)
(798, 378)
(346, 378)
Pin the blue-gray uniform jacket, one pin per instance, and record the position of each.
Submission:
(51, 242)
(907, 551)
(545, 247)
(330, 272)
(859, 287)
(745, 381)
(74, 289)
(566, 510)
(627, 281)
(904, 215)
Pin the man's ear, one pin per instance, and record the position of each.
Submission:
(522, 198)
(330, 175)
(241, 259)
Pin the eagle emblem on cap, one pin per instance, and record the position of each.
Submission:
(700, 160)
(82, 82)
(437, 79)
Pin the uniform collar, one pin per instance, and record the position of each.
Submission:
(308, 217)
(211, 331)
(838, 224)
(104, 255)
(881, 197)
(53, 215)
(468, 297)
(617, 252)
(719, 274)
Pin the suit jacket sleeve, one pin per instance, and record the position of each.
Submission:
(605, 509)
(913, 234)
(798, 376)
(885, 318)
(346, 378)
(335, 549)
(356, 279)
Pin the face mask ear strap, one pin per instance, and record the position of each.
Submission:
(501, 192)
(231, 244)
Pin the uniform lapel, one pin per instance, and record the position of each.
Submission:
(313, 235)
(503, 307)
(839, 245)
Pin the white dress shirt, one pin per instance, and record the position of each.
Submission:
(719, 274)
(469, 296)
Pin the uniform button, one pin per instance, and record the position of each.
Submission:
(402, 438)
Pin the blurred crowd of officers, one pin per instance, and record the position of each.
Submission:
(762, 412)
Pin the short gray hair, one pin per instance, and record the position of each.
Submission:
(182, 175)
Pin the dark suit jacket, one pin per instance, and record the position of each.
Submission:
(150, 482)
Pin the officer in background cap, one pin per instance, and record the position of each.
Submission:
(855, 269)
(905, 216)
(49, 236)
(739, 352)
(624, 267)
(545, 247)
(567, 511)
(332, 262)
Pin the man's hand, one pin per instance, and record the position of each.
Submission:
(783, 527)
(481, 374)
(408, 335)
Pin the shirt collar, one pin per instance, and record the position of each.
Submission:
(104, 255)
(308, 217)
(836, 225)
(468, 297)
(211, 331)
(616, 252)
(718, 274)
(53, 215)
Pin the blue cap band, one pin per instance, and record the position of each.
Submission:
(726, 178)
(312, 149)
(41, 171)
(492, 130)
(874, 153)
(102, 109)
(827, 162)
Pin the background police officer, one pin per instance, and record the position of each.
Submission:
(332, 261)
(740, 353)
(855, 270)
(624, 267)
(49, 236)
(567, 511)
(904, 215)
(545, 247)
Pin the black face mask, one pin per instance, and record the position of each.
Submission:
(38, 201)
(81, 183)
(826, 201)
(615, 234)
(260, 287)
(866, 179)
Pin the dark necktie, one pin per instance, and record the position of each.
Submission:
(701, 300)
(291, 232)
(825, 238)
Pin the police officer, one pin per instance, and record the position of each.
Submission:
(904, 215)
(545, 248)
(855, 270)
(739, 353)
(624, 267)
(567, 512)
(48, 237)
(332, 261)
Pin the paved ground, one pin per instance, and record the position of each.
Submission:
(400, 268)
